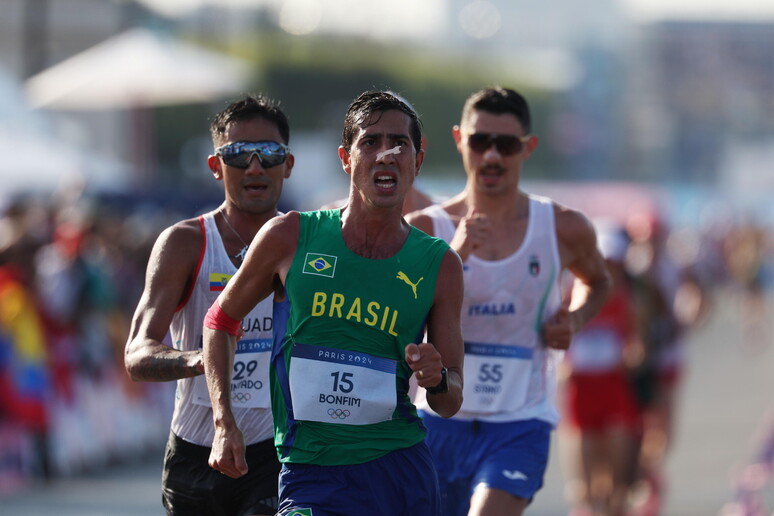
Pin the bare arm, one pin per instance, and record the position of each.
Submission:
(579, 254)
(420, 221)
(169, 274)
(446, 347)
(228, 445)
(262, 273)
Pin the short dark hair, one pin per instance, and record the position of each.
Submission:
(248, 108)
(370, 102)
(498, 100)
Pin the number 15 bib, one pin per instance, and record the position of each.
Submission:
(345, 387)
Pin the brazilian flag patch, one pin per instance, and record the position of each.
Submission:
(301, 512)
(320, 264)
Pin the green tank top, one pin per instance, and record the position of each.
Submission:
(339, 377)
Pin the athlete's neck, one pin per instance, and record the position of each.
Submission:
(374, 234)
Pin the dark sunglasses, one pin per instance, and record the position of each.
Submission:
(506, 144)
(238, 154)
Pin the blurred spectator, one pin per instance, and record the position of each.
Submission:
(744, 250)
(600, 415)
(752, 480)
(24, 371)
(67, 286)
(670, 301)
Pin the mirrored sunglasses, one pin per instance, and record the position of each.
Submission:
(238, 154)
(506, 144)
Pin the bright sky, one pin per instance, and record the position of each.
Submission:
(710, 10)
(640, 10)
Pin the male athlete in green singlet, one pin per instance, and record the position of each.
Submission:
(353, 289)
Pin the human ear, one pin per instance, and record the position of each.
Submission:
(344, 157)
(213, 162)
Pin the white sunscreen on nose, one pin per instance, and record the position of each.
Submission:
(394, 150)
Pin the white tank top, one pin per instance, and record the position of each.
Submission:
(509, 375)
(192, 418)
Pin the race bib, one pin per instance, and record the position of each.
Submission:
(250, 381)
(496, 377)
(595, 350)
(331, 385)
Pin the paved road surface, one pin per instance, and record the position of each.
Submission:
(726, 394)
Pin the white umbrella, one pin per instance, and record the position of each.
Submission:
(44, 160)
(134, 69)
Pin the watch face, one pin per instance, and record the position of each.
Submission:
(441, 387)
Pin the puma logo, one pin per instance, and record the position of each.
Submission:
(402, 276)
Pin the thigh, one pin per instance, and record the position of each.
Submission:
(487, 501)
(518, 463)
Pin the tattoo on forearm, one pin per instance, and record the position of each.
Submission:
(167, 368)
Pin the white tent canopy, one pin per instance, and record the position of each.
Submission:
(134, 69)
(43, 161)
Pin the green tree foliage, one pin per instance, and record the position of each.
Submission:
(316, 78)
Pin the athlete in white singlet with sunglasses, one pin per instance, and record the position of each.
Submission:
(492, 455)
(190, 265)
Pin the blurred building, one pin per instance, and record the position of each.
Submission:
(681, 101)
(702, 100)
(35, 34)
(720, 78)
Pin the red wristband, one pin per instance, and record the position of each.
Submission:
(217, 319)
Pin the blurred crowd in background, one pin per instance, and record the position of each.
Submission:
(71, 272)
(72, 268)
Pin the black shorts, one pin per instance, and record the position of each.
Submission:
(190, 487)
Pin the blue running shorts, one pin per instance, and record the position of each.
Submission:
(510, 456)
(403, 482)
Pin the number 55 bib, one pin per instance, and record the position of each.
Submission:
(331, 385)
(496, 377)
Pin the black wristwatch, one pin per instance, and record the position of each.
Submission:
(441, 387)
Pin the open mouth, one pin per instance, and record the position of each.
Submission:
(385, 181)
(256, 187)
(491, 174)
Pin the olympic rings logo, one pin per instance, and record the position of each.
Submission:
(241, 397)
(338, 413)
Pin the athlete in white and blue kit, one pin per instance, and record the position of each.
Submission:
(492, 455)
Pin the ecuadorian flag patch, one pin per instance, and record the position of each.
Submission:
(320, 264)
(218, 281)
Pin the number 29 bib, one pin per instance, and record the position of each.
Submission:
(250, 381)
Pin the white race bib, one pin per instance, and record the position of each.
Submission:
(595, 349)
(345, 387)
(496, 377)
(250, 381)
